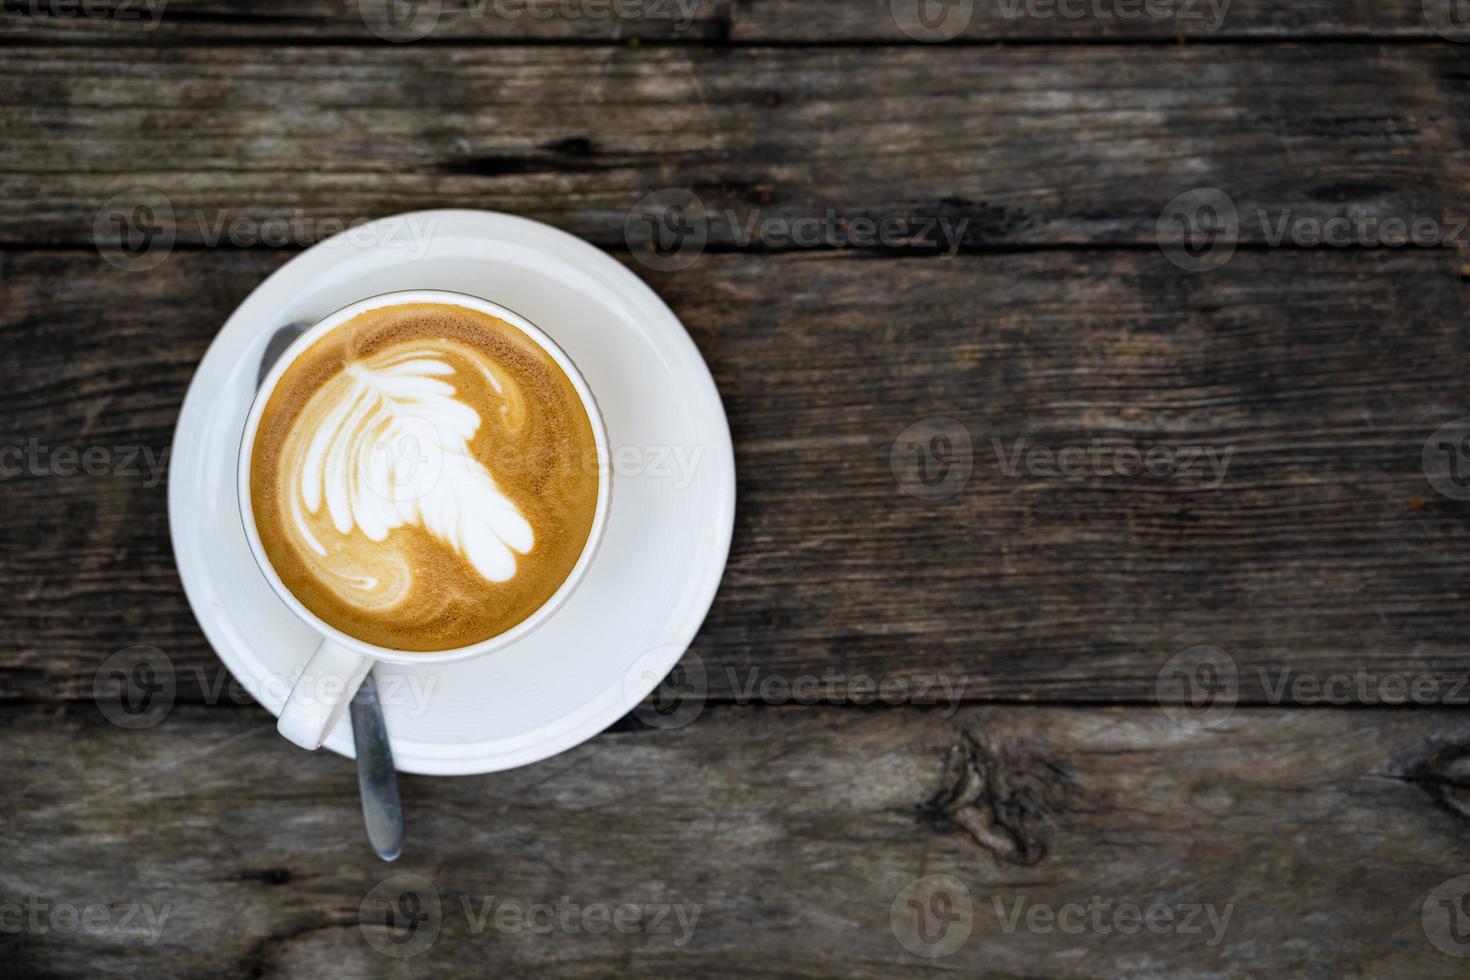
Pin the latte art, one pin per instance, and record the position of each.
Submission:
(418, 477)
(385, 444)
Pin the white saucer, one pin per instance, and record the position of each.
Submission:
(653, 578)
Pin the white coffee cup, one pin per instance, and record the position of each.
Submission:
(325, 687)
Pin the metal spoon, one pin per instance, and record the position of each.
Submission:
(377, 780)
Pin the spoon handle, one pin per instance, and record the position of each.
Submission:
(376, 778)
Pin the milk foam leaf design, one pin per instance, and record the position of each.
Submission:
(392, 449)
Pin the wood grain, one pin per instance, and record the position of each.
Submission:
(724, 21)
(980, 21)
(1027, 146)
(789, 833)
(894, 625)
(1320, 551)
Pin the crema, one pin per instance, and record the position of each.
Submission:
(424, 477)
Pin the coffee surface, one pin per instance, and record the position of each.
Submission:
(424, 477)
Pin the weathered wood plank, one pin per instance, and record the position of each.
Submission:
(367, 22)
(1024, 145)
(752, 21)
(1320, 549)
(1308, 844)
(1078, 20)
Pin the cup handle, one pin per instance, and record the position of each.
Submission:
(321, 693)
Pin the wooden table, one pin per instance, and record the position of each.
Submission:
(1026, 710)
